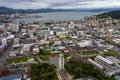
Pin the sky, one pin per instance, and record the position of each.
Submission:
(60, 4)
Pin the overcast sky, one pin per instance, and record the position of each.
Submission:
(60, 4)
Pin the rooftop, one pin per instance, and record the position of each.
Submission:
(104, 59)
(12, 77)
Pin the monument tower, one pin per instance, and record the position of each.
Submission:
(61, 61)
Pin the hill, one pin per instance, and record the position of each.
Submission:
(112, 14)
(4, 10)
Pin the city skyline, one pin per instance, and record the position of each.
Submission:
(60, 4)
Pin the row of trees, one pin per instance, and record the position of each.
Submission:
(79, 70)
(90, 52)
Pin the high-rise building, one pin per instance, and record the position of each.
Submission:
(61, 61)
(14, 27)
(4, 41)
(16, 40)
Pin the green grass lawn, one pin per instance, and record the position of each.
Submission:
(111, 53)
(44, 58)
(111, 42)
(17, 60)
(66, 55)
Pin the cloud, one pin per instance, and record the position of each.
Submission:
(23, 4)
(60, 4)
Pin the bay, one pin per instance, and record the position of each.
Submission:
(63, 16)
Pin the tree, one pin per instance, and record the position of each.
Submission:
(35, 34)
(79, 70)
(44, 52)
(43, 71)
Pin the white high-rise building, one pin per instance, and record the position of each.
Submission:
(61, 61)
(16, 40)
(2, 27)
(4, 41)
(15, 27)
(71, 25)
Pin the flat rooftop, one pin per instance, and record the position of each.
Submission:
(104, 60)
(12, 77)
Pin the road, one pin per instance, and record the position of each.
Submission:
(73, 54)
(5, 56)
(6, 53)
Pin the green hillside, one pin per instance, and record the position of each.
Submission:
(113, 14)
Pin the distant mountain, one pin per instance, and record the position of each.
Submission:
(5, 10)
(113, 14)
(99, 9)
